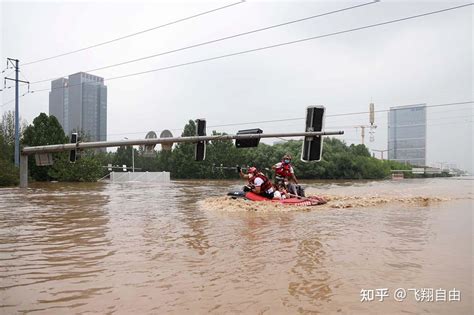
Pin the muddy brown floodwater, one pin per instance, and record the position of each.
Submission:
(182, 247)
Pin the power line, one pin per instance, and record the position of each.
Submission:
(8, 67)
(431, 119)
(357, 125)
(274, 46)
(24, 77)
(11, 101)
(447, 111)
(291, 42)
(134, 34)
(292, 119)
(219, 39)
(335, 127)
(334, 115)
(5, 104)
(283, 44)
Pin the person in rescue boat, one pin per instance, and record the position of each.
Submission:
(258, 182)
(284, 174)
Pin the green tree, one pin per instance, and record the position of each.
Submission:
(339, 161)
(86, 169)
(123, 156)
(359, 149)
(7, 127)
(182, 159)
(45, 130)
(9, 174)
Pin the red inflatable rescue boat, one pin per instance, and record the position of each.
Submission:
(294, 201)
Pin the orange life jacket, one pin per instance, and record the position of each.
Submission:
(267, 184)
(284, 170)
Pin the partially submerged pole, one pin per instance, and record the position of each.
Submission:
(23, 171)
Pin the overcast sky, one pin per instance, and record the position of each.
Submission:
(424, 60)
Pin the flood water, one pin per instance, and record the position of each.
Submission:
(180, 248)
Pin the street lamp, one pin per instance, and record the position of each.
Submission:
(133, 157)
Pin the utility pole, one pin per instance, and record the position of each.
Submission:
(133, 157)
(381, 152)
(362, 132)
(133, 160)
(15, 63)
(372, 126)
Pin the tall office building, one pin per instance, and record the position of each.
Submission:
(80, 105)
(407, 134)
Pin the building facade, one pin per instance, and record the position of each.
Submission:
(407, 134)
(80, 105)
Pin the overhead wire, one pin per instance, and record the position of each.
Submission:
(272, 46)
(334, 115)
(291, 42)
(357, 125)
(288, 43)
(219, 39)
(12, 100)
(327, 129)
(299, 118)
(133, 34)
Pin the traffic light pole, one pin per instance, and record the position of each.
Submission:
(193, 139)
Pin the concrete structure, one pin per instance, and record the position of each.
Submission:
(407, 134)
(80, 105)
(150, 177)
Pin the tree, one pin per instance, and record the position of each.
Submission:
(123, 156)
(86, 169)
(44, 131)
(9, 174)
(183, 164)
(359, 149)
(7, 130)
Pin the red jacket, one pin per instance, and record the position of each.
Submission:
(267, 184)
(284, 170)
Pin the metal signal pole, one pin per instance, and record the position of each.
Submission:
(15, 62)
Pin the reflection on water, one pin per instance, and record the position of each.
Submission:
(43, 242)
(313, 280)
(183, 248)
(408, 235)
(196, 222)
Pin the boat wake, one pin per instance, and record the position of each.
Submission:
(229, 204)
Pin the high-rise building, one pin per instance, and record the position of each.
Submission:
(407, 134)
(80, 105)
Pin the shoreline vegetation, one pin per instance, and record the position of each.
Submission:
(339, 161)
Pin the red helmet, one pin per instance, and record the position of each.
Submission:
(252, 170)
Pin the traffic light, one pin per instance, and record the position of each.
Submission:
(200, 147)
(313, 146)
(73, 153)
(248, 143)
